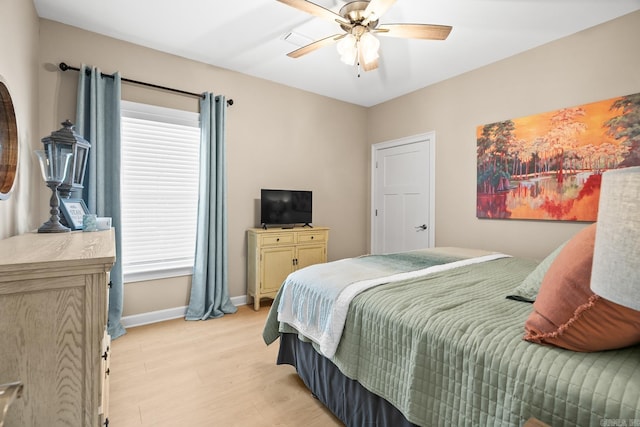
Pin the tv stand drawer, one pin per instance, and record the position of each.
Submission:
(278, 239)
(311, 236)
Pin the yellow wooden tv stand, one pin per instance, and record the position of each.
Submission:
(274, 253)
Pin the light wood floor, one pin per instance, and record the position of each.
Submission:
(217, 372)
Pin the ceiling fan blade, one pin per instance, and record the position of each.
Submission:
(376, 9)
(414, 31)
(315, 45)
(366, 66)
(370, 66)
(314, 9)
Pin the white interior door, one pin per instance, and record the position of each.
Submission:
(402, 194)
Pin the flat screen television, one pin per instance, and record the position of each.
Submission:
(285, 207)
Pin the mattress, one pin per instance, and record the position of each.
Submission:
(448, 349)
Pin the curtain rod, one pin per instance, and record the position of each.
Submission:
(65, 67)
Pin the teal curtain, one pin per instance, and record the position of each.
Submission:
(98, 121)
(209, 283)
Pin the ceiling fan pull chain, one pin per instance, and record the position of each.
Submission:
(358, 55)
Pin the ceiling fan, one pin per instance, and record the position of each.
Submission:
(359, 21)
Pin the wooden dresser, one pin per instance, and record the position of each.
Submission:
(275, 252)
(53, 314)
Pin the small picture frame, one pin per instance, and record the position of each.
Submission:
(73, 212)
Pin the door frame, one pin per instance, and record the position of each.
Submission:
(430, 138)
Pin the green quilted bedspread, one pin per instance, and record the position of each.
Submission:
(448, 350)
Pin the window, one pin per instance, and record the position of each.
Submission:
(160, 161)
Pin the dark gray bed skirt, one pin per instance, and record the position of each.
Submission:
(346, 398)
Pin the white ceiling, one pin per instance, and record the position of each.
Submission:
(248, 36)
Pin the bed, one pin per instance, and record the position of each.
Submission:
(433, 340)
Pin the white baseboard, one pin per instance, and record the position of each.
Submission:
(238, 301)
(153, 317)
(167, 314)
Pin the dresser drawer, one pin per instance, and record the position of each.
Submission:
(277, 239)
(311, 237)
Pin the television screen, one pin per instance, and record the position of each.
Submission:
(285, 207)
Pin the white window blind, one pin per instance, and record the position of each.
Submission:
(159, 166)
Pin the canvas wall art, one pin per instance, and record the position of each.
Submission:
(548, 166)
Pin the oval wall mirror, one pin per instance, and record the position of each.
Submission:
(8, 143)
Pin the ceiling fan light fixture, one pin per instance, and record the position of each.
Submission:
(369, 44)
(348, 49)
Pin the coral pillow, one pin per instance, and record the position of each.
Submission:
(568, 314)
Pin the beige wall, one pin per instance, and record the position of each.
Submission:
(283, 137)
(21, 212)
(277, 137)
(593, 65)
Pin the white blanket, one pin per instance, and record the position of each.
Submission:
(315, 300)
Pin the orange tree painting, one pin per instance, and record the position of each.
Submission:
(548, 166)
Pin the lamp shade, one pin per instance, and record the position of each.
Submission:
(615, 272)
(348, 49)
(54, 166)
(369, 45)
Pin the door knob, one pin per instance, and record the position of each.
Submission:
(421, 227)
